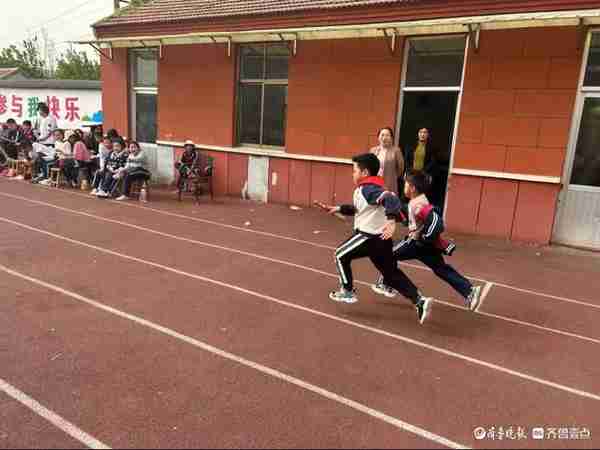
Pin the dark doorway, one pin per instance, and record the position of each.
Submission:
(435, 111)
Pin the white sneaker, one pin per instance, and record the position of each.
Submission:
(102, 194)
(122, 197)
(382, 289)
(94, 192)
(423, 307)
(45, 182)
(474, 298)
(343, 296)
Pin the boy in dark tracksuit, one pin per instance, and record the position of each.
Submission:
(374, 211)
(422, 244)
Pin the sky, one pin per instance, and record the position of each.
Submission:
(63, 20)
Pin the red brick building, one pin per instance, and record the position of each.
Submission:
(283, 93)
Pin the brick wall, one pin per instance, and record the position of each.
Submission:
(115, 98)
(196, 94)
(340, 92)
(516, 114)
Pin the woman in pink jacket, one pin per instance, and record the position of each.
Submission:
(390, 159)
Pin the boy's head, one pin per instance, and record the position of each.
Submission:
(365, 165)
(118, 145)
(59, 135)
(12, 124)
(43, 109)
(415, 184)
(107, 142)
(27, 124)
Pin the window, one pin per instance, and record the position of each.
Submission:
(436, 62)
(592, 70)
(144, 94)
(262, 94)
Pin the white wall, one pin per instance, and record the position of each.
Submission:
(70, 107)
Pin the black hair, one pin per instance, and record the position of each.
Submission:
(386, 128)
(10, 121)
(118, 140)
(42, 107)
(368, 162)
(27, 122)
(418, 180)
(112, 134)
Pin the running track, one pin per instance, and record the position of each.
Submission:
(178, 326)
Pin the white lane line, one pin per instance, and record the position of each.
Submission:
(245, 362)
(359, 325)
(314, 244)
(51, 416)
(484, 293)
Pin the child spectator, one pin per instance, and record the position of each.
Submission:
(116, 160)
(135, 169)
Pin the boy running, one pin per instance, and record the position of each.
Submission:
(417, 246)
(374, 211)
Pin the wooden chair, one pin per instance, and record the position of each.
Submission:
(196, 183)
(56, 178)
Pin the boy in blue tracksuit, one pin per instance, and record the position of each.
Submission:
(374, 211)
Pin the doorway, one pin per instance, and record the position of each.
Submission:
(435, 111)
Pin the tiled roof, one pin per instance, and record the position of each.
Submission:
(6, 72)
(160, 11)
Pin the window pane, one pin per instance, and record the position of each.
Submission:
(249, 115)
(145, 68)
(277, 61)
(586, 167)
(274, 115)
(435, 62)
(592, 71)
(252, 62)
(145, 118)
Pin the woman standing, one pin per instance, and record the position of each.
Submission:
(390, 159)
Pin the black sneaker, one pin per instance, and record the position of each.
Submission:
(423, 308)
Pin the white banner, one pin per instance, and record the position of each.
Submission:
(70, 107)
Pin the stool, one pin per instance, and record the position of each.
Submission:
(136, 189)
(56, 179)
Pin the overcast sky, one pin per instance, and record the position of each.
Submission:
(64, 20)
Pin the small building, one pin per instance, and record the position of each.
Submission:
(283, 93)
(72, 102)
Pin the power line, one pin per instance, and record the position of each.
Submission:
(63, 15)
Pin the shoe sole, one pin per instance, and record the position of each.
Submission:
(388, 294)
(342, 300)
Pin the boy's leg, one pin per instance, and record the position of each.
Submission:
(433, 259)
(353, 248)
(383, 259)
(402, 251)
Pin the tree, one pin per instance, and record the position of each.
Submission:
(27, 59)
(76, 65)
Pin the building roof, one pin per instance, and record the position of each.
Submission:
(8, 72)
(52, 84)
(161, 11)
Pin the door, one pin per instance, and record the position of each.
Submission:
(578, 220)
(435, 111)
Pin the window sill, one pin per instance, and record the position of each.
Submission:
(261, 152)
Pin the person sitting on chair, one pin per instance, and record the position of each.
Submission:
(135, 169)
(186, 163)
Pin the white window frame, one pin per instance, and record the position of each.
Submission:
(262, 82)
(134, 90)
(459, 89)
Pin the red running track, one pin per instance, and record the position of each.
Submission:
(365, 375)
